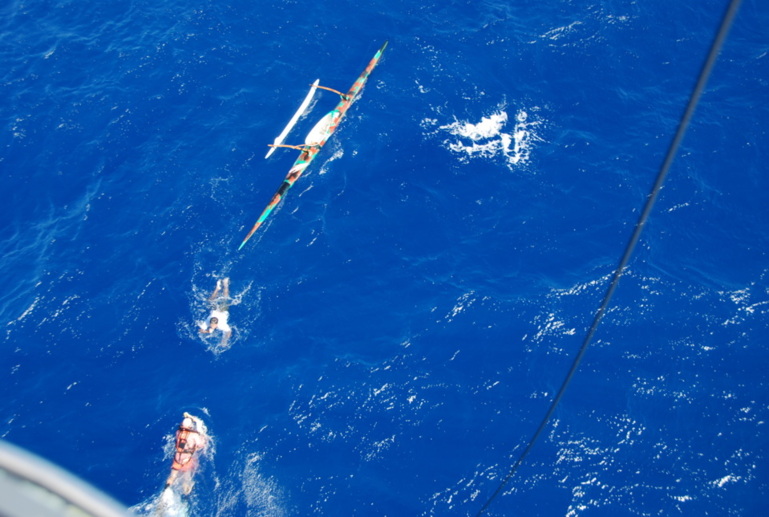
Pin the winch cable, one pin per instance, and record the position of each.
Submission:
(694, 98)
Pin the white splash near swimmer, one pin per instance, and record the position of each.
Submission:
(486, 139)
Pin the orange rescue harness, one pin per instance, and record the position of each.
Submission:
(184, 450)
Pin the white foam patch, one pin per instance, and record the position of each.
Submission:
(725, 480)
(548, 326)
(27, 311)
(462, 304)
(749, 303)
(561, 32)
(167, 504)
(338, 153)
(262, 494)
(491, 137)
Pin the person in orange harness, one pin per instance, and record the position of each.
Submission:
(189, 443)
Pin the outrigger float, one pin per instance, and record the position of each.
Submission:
(291, 123)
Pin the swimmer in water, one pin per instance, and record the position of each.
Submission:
(220, 311)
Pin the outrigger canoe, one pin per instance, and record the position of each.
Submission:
(316, 138)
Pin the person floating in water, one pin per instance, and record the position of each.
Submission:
(220, 307)
(190, 441)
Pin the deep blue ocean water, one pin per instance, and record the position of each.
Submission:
(405, 317)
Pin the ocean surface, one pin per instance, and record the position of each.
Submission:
(403, 320)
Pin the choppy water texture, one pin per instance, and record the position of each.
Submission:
(405, 317)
